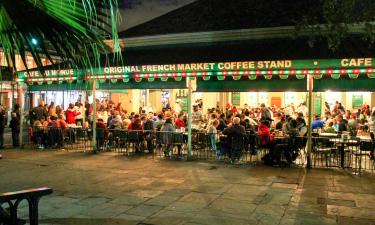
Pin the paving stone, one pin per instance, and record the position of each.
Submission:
(342, 220)
(93, 201)
(364, 213)
(285, 185)
(245, 197)
(166, 217)
(199, 198)
(266, 219)
(108, 189)
(107, 210)
(276, 199)
(340, 202)
(144, 210)
(232, 207)
(129, 200)
(295, 208)
(271, 209)
(187, 206)
(209, 220)
(162, 200)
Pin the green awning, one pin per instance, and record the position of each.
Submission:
(246, 85)
(60, 87)
(362, 82)
(156, 84)
(344, 83)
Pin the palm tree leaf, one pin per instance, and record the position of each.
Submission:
(69, 31)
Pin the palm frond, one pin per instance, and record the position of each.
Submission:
(71, 30)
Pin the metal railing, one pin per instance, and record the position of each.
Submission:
(354, 153)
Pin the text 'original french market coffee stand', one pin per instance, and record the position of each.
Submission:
(279, 75)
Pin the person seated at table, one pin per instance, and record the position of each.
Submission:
(233, 131)
(264, 132)
(39, 132)
(294, 142)
(54, 133)
(167, 134)
(222, 123)
(317, 123)
(159, 122)
(280, 124)
(251, 120)
(101, 134)
(353, 124)
(212, 133)
(329, 128)
(248, 126)
(301, 126)
(179, 122)
(342, 124)
(148, 127)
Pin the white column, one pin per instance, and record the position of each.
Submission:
(94, 116)
(189, 117)
(21, 97)
(310, 81)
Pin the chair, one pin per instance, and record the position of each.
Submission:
(364, 150)
(237, 146)
(200, 142)
(134, 141)
(178, 141)
(353, 149)
(322, 148)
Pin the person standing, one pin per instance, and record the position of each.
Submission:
(2, 122)
(15, 126)
(2, 125)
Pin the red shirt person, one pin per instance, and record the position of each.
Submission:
(180, 121)
(71, 113)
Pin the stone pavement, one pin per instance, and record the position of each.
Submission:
(112, 189)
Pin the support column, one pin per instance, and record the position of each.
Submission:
(310, 81)
(189, 117)
(83, 105)
(94, 116)
(21, 97)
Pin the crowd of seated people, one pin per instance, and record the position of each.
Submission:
(51, 124)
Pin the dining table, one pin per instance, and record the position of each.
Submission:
(328, 134)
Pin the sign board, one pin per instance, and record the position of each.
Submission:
(184, 103)
(208, 66)
(236, 98)
(317, 104)
(357, 100)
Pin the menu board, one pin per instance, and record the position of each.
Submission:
(317, 104)
(236, 98)
(357, 100)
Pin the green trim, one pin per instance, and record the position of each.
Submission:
(246, 85)
(157, 84)
(265, 67)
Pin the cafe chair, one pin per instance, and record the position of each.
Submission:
(134, 142)
(352, 149)
(237, 147)
(120, 140)
(324, 151)
(177, 142)
(360, 154)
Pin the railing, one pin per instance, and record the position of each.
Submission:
(326, 151)
(351, 153)
(13, 199)
(71, 139)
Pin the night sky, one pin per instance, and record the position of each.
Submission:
(135, 12)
